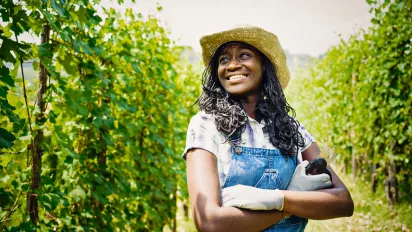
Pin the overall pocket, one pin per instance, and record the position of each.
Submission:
(269, 180)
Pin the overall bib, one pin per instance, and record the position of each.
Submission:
(265, 169)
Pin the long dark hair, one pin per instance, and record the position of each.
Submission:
(272, 107)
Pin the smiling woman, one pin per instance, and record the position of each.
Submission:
(244, 150)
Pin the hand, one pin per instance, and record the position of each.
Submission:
(248, 197)
(302, 182)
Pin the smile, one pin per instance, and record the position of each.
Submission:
(236, 77)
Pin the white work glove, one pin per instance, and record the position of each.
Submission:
(302, 182)
(247, 197)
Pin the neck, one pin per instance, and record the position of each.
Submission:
(249, 105)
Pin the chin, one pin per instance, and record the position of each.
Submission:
(234, 91)
(237, 91)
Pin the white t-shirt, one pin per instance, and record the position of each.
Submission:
(202, 133)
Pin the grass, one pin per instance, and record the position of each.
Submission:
(372, 213)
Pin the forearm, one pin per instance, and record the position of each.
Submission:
(235, 219)
(205, 198)
(321, 204)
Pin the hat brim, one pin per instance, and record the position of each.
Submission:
(266, 42)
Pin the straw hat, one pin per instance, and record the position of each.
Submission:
(264, 41)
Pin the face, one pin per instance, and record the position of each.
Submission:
(240, 69)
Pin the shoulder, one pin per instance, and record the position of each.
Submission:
(306, 135)
(301, 127)
(202, 133)
(203, 117)
(308, 139)
(202, 122)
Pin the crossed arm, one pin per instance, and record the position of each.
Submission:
(209, 215)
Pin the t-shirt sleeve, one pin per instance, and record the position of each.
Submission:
(202, 133)
(307, 138)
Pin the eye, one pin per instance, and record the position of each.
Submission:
(245, 55)
(223, 59)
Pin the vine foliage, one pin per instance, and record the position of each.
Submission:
(358, 97)
(93, 142)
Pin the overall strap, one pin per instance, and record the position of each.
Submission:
(296, 158)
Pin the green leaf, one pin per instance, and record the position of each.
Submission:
(107, 138)
(6, 138)
(69, 65)
(82, 14)
(67, 34)
(6, 198)
(7, 79)
(19, 24)
(5, 50)
(3, 94)
(100, 198)
(77, 194)
(25, 138)
(52, 116)
(5, 16)
(5, 76)
(49, 200)
(44, 50)
(78, 107)
(60, 10)
(81, 46)
(35, 65)
(401, 5)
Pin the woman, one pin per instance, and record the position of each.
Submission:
(243, 147)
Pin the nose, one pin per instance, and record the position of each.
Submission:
(233, 64)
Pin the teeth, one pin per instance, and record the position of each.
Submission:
(236, 77)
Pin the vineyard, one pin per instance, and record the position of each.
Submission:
(358, 98)
(92, 140)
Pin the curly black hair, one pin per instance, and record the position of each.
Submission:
(272, 107)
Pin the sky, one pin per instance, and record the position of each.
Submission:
(302, 26)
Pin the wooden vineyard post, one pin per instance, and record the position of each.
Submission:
(36, 150)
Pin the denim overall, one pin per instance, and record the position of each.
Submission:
(265, 169)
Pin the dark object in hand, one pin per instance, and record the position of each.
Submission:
(319, 166)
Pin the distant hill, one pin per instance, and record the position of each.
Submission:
(294, 61)
(298, 61)
(188, 54)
